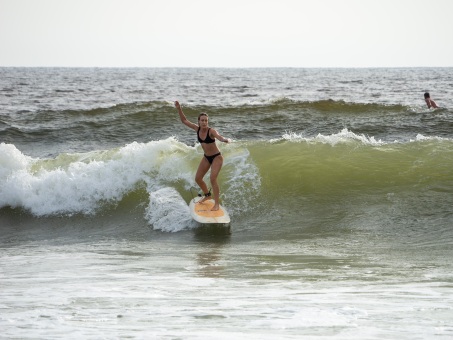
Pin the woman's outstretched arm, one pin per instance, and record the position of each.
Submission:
(183, 118)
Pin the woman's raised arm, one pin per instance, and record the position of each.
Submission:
(183, 118)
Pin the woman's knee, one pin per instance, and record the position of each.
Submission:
(198, 179)
(213, 179)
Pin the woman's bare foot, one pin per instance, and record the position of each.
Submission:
(215, 207)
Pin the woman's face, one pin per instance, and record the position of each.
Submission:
(203, 121)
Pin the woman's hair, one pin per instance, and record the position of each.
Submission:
(426, 95)
(202, 114)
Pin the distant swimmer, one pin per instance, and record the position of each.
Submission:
(212, 157)
(431, 103)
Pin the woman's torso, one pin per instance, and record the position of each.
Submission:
(207, 142)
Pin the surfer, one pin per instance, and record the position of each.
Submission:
(212, 157)
(431, 103)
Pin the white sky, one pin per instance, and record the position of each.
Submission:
(227, 33)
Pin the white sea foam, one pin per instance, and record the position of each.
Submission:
(344, 136)
(167, 211)
(83, 184)
(244, 181)
(421, 137)
(12, 160)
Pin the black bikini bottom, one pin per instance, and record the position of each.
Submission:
(211, 158)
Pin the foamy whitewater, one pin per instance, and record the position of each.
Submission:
(339, 184)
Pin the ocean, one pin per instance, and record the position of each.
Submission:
(339, 184)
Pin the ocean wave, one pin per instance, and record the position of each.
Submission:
(122, 123)
(256, 174)
(87, 183)
(345, 162)
(272, 104)
(338, 106)
(286, 103)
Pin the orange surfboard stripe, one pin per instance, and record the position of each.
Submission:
(204, 209)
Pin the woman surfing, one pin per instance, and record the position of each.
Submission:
(212, 157)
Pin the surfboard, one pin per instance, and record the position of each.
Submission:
(202, 213)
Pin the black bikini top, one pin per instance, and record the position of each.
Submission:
(208, 139)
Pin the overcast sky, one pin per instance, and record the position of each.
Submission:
(226, 33)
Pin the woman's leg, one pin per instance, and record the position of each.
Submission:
(216, 166)
(202, 170)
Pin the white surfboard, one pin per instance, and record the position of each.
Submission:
(202, 213)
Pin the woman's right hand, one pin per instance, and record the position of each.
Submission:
(177, 105)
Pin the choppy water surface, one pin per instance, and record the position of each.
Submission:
(339, 183)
